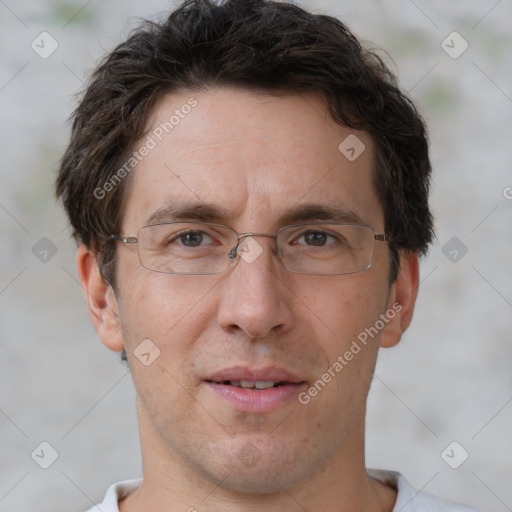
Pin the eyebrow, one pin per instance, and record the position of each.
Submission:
(181, 211)
(207, 212)
(315, 211)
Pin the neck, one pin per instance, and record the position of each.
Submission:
(171, 483)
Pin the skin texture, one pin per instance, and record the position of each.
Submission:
(257, 156)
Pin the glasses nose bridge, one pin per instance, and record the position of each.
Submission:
(240, 238)
(245, 235)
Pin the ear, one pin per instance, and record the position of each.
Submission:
(402, 298)
(101, 300)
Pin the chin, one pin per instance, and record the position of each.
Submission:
(258, 480)
(258, 466)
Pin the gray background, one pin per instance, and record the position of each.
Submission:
(449, 380)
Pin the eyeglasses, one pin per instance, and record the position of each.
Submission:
(206, 248)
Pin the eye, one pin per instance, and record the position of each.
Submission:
(316, 238)
(192, 238)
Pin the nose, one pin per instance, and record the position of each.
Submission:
(255, 299)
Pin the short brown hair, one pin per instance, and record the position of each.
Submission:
(271, 46)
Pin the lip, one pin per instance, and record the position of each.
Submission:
(272, 373)
(255, 400)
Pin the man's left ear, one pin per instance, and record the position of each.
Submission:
(402, 298)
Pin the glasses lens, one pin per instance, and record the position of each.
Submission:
(186, 248)
(205, 248)
(326, 248)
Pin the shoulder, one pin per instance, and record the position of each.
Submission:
(114, 493)
(410, 500)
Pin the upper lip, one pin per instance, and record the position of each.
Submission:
(239, 373)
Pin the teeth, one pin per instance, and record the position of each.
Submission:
(264, 384)
(260, 384)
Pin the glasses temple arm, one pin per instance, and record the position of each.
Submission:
(124, 239)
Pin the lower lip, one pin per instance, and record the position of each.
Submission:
(256, 400)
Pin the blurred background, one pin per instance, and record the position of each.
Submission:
(440, 409)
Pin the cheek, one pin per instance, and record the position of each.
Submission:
(163, 316)
(345, 306)
(167, 309)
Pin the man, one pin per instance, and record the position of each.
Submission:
(249, 190)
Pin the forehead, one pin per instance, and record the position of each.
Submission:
(252, 157)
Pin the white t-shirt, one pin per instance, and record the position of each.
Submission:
(408, 500)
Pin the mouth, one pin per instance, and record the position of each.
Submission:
(255, 385)
(251, 390)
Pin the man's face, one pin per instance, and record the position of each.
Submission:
(257, 158)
